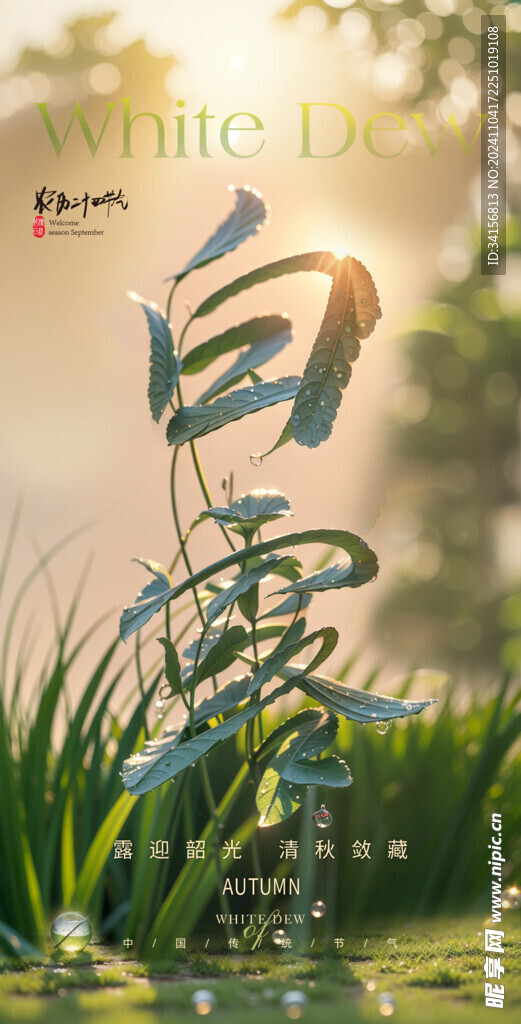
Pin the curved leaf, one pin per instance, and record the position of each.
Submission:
(306, 734)
(330, 771)
(272, 334)
(288, 607)
(351, 313)
(322, 262)
(329, 637)
(155, 595)
(228, 696)
(196, 420)
(165, 366)
(249, 333)
(277, 799)
(364, 560)
(249, 512)
(222, 654)
(172, 666)
(162, 760)
(149, 601)
(224, 699)
(249, 214)
(340, 574)
(314, 728)
(357, 705)
(246, 581)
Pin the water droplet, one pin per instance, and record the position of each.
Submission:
(203, 1002)
(322, 817)
(318, 909)
(294, 1003)
(278, 936)
(308, 391)
(511, 898)
(382, 728)
(256, 459)
(160, 703)
(387, 1004)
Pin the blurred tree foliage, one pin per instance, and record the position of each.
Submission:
(91, 56)
(453, 512)
(425, 50)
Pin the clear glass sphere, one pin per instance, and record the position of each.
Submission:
(71, 931)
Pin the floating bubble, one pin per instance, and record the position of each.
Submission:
(295, 1004)
(387, 1004)
(318, 909)
(323, 818)
(382, 728)
(511, 898)
(256, 459)
(203, 1002)
(278, 936)
(71, 931)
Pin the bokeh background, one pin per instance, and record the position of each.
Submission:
(424, 458)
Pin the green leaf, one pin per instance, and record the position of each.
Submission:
(265, 336)
(351, 313)
(156, 594)
(161, 761)
(288, 607)
(246, 580)
(196, 420)
(313, 729)
(286, 653)
(365, 563)
(249, 214)
(330, 771)
(172, 666)
(323, 262)
(277, 799)
(222, 654)
(341, 574)
(250, 332)
(234, 692)
(99, 851)
(357, 705)
(306, 734)
(149, 601)
(16, 945)
(165, 366)
(248, 513)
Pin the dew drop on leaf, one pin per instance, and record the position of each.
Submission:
(256, 459)
(382, 727)
(323, 818)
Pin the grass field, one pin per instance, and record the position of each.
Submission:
(434, 973)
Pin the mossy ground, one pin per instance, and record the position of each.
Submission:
(434, 972)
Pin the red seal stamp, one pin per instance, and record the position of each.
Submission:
(38, 227)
